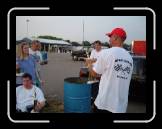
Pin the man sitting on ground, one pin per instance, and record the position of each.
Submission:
(28, 96)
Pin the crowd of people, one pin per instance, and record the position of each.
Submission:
(113, 66)
(29, 91)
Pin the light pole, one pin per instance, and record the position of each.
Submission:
(83, 30)
(27, 22)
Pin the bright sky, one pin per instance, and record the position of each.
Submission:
(71, 27)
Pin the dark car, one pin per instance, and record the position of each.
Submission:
(137, 88)
(79, 55)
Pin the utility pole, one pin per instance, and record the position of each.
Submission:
(83, 30)
(27, 29)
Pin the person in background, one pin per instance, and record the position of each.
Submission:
(35, 51)
(116, 66)
(39, 53)
(29, 98)
(95, 54)
(33, 48)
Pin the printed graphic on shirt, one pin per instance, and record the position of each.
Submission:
(123, 68)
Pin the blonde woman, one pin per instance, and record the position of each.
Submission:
(26, 62)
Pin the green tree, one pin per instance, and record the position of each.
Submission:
(86, 43)
(127, 46)
(67, 41)
(106, 44)
(75, 44)
(49, 37)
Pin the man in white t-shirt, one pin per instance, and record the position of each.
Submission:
(34, 50)
(116, 66)
(95, 54)
(28, 96)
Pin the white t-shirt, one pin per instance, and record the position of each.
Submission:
(95, 54)
(37, 53)
(116, 66)
(40, 55)
(26, 97)
(39, 59)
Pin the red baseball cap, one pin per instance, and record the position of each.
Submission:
(118, 31)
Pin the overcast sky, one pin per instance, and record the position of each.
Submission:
(71, 27)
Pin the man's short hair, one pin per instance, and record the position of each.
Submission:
(27, 75)
(98, 42)
(35, 41)
(121, 38)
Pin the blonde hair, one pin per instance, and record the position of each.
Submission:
(21, 54)
(18, 48)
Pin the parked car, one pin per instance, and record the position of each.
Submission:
(137, 88)
(79, 55)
